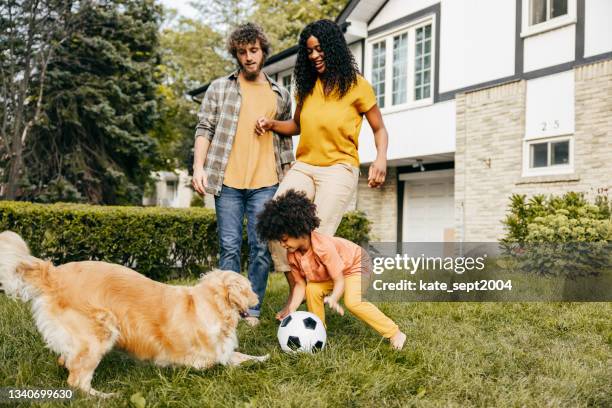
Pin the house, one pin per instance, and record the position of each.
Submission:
(482, 99)
(173, 189)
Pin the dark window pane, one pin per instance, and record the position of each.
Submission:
(538, 12)
(419, 34)
(559, 8)
(539, 155)
(560, 153)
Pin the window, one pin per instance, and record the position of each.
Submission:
(171, 189)
(401, 66)
(287, 82)
(548, 154)
(547, 157)
(544, 15)
(422, 70)
(543, 10)
(378, 72)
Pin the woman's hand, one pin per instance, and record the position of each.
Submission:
(334, 305)
(262, 125)
(377, 173)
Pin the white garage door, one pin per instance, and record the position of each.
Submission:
(428, 207)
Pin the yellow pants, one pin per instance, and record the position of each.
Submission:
(365, 311)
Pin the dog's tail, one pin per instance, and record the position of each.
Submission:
(18, 268)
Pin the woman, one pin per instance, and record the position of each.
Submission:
(332, 99)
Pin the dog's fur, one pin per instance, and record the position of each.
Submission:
(84, 309)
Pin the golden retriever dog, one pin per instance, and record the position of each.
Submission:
(84, 309)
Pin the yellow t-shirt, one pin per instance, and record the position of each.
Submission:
(252, 163)
(330, 126)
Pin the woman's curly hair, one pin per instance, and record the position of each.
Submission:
(340, 67)
(248, 33)
(291, 213)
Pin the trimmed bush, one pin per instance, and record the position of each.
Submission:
(559, 235)
(158, 242)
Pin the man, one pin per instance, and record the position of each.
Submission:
(232, 162)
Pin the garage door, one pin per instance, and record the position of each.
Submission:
(428, 209)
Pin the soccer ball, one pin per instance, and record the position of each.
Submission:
(302, 331)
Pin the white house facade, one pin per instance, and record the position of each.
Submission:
(481, 99)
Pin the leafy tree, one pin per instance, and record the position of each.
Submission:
(192, 54)
(30, 33)
(94, 140)
(283, 20)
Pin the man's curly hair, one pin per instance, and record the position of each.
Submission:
(340, 67)
(247, 33)
(291, 213)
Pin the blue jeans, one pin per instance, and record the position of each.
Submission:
(231, 205)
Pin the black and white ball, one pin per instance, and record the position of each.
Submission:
(302, 331)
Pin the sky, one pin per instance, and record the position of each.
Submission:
(182, 6)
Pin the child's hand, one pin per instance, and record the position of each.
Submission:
(334, 305)
(283, 313)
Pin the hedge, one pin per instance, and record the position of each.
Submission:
(158, 242)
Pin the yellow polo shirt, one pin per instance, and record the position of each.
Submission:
(330, 125)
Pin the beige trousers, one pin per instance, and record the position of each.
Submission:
(331, 188)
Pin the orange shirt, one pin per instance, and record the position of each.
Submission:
(328, 256)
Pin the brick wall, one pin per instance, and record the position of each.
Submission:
(488, 158)
(380, 205)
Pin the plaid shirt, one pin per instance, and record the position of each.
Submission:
(218, 121)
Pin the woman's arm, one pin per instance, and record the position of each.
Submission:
(378, 169)
(284, 127)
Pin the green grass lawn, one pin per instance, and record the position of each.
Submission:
(457, 355)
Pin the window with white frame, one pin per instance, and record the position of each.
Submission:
(287, 82)
(422, 69)
(401, 66)
(544, 15)
(544, 10)
(549, 153)
(378, 71)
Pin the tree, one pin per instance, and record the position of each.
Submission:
(192, 54)
(94, 139)
(283, 20)
(31, 31)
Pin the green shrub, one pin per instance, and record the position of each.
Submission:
(355, 227)
(158, 242)
(559, 235)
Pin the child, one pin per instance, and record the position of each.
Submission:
(323, 267)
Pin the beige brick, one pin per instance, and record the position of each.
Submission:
(488, 158)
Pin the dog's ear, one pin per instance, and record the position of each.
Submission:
(36, 273)
(236, 295)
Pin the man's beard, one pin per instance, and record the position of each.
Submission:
(251, 76)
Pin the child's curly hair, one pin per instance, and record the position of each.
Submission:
(291, 213)
(248, 33)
